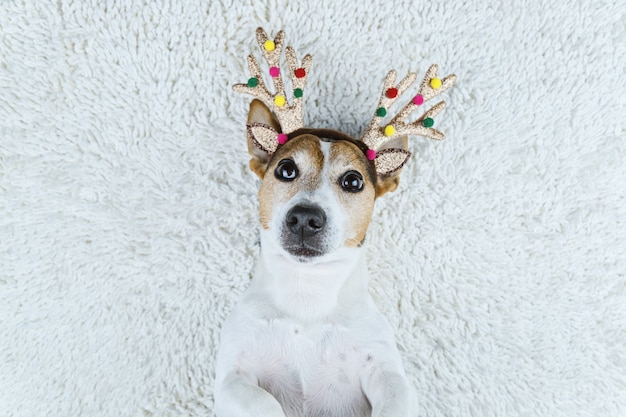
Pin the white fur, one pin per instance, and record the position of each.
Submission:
(306, 339)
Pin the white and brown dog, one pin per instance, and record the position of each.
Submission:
(306, 339)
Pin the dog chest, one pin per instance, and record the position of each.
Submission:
(310, 370)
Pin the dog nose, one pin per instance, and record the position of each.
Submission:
(306, 220)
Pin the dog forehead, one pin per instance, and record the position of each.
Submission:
(322, 150)
(305, 148)
(346, 154)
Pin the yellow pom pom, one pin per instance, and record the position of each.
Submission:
(435, 83)
(389, 130)
(279, 101)
(269, 45)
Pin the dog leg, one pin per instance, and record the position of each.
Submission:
(240, 396)
(388, 393)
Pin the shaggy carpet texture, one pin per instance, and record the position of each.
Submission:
(128, 216)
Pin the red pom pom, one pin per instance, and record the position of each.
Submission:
(392, 93)
(300, 73)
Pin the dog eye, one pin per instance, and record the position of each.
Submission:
(352, 181)
(286, 170)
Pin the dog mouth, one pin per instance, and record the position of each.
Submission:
(304, 252)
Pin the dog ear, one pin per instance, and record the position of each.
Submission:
(262, 131)
(389, 162)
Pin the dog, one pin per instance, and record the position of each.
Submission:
(306, 339)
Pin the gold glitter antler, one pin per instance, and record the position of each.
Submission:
(376, 135)
(289, 115)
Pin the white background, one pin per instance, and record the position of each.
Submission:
(128, 216)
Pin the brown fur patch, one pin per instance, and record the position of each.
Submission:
(305, 151)
(260, 113)
(387, 183)
(258, 167)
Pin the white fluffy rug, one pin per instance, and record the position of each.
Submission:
(128, 216)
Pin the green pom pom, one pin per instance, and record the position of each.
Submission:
(297, 93)
(253, 82)
(428, 122)
(381, 112)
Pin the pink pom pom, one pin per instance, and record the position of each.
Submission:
(418, 100)
(282, 138)
(370, 154)
(274, 71)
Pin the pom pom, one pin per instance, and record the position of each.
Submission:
(297, 93)
(274, 72)
(370, 154)
(269, 45)
(435, 83)
(389, 130)
(418, 100)
(282, 138)
(428, 122)
(381, 112)
(279, 101)
(392, 93)
(300, 73)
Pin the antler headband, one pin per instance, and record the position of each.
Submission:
(377, 135)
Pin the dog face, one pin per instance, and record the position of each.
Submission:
(317, 196)
(317, 191)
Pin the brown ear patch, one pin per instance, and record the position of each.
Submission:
(305, 151)
(258, 167)
(387, 183)
(260, 113)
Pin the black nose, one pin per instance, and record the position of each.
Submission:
(306, 220)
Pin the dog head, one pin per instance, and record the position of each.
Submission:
(318, 186)
(317, 190)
